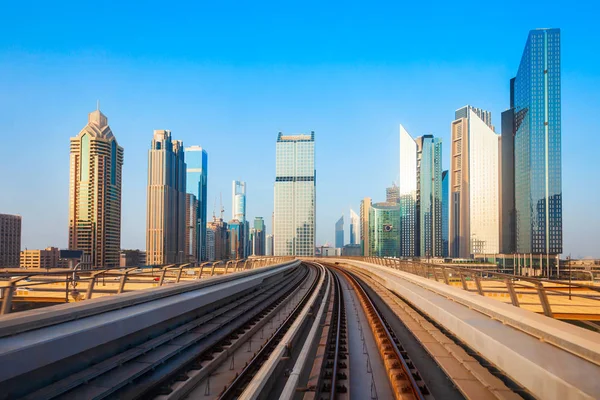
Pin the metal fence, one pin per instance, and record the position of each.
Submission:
(554, 298)
(80, 285)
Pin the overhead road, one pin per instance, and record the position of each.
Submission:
(548, 358)
(100, 346)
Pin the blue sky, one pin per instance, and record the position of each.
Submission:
(228, 76)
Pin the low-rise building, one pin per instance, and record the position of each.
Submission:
(46, 258)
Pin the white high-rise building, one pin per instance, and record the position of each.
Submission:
(408, 194)
(295, 199)
(474, 207)
(354, 227)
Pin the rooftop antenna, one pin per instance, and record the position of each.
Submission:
(97, 105)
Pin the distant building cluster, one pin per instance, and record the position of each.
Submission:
(502, 193)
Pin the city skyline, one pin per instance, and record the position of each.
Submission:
(488, 75)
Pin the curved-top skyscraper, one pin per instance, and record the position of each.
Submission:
(95, 193)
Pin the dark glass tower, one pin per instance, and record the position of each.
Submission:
(537, 145)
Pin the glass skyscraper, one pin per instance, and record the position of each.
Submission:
(339, 233)
(295, 200)
(354, 227)
(384, 229)
(429, 196)
(537, 145)
(408, 194)
(196, 183)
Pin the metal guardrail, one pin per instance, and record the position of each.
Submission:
(551, 294)
(71, 279)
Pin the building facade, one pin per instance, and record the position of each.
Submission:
(295, 195)
(474, 200)
(269, 246)
(429, 196)
(196, 160)
(96, 162)
(166, 210)
(132, 258)
(392, 194)
(408, 195)
(537, 145)
(10, 240)
(191, 229)
(384, 230)
(508, 229)
(354, 228)
(365, 210)
(445, 212)
(339, 233)
(47, 258)
(259, 237)
(219, 239)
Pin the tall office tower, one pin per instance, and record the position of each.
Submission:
(508, 230)
(339, 233)
(210, 245)
(260, 232)
(445, 211)
(236, 239)
(191, 222)
(474, 210)
(95, 193)
(392, 194)
(408, 195)
(196, 159)
(537, 145)
(10, 240)
(354, 227)
(365, 210)
(384, 220)
(165, 212)
(219, 239)
(295, 200)
(238, 212)
(269, 246)
(429, 196)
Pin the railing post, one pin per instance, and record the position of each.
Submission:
(511, 291)
(179, 274)
(463, 280)
(7, 296)
(90, 288)
(162, 276)
(478, 283)
(544, 300)
(445, 272)
(122, 282)
(212, 270)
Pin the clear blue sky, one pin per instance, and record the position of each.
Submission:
(228, 76)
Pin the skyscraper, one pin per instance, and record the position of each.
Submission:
(259, 237)
(384, 219)
(445, 211)
(508, 230)
(408, 194)
(354, 228)
(191, 222)
(236, 239)
(474, 206)
(238, 212)
(196, 159)
(392, 194)
(95, 193)
(339, 233)
(10, 240)
(165, 218)
(537, 145)
(429, 196)
(269, 246)
(365, 207)
(295, 200)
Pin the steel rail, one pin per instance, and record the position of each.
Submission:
(338, 328)
(378, 324)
